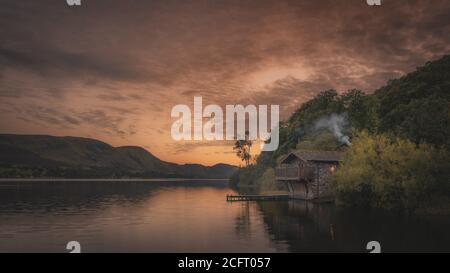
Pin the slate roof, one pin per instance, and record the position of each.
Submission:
(318, 156)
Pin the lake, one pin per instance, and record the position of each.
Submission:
(194, 216)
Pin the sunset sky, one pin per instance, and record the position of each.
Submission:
(113, 69)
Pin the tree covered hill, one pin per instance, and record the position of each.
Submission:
(415, 108)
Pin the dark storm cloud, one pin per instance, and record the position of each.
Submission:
(49, 39)
(52, 62)
(46, 116)
(288, 93)
(121, 64)
(219, 39)
(109, 120)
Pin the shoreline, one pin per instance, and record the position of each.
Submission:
(109, 179)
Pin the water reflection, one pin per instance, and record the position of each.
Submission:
(193, 216)
(184, 216)
(309, 227)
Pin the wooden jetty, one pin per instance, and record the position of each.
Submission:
(234, 198)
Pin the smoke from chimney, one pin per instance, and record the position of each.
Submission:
(336, 123)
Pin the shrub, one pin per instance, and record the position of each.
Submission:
(378, 171)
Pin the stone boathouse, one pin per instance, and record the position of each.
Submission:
(307, 174)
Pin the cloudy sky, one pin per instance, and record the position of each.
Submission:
(113, 70)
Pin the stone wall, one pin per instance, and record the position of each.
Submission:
(323, 180)
(318, 188)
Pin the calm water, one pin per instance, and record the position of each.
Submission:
(193, 216)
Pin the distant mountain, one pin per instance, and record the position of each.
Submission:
(76, 157)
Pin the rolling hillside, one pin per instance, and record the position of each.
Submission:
(50, 156)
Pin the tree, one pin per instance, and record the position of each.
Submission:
(361, 110)
(378, 171)
(242, 148)
(422, 121)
